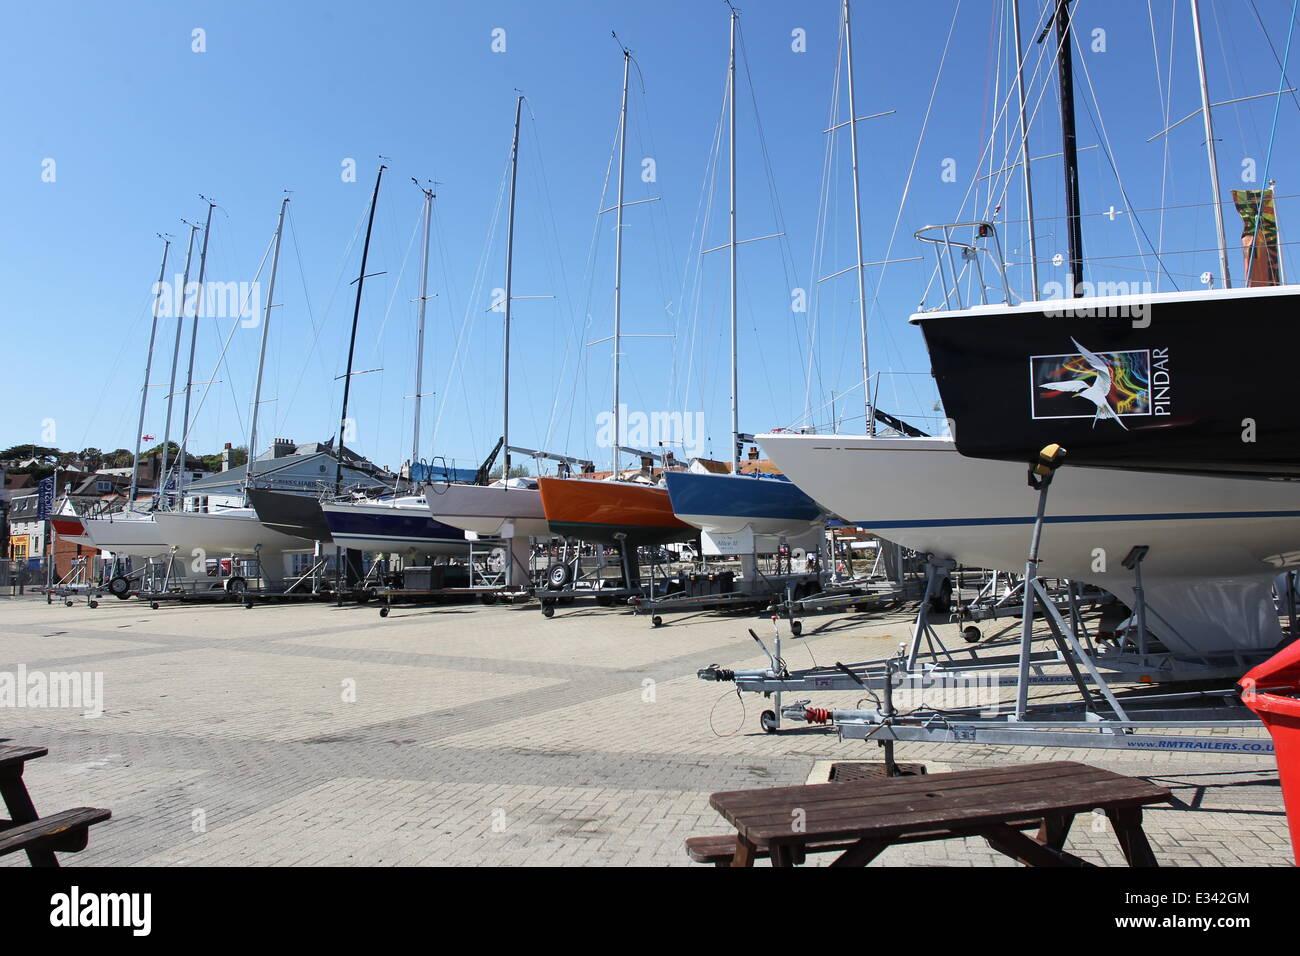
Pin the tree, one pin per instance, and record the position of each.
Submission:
(516, 471)
(23, 452)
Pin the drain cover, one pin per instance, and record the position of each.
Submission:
(870, 770)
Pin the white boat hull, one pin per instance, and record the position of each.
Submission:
(137, 536)
(231, 531)
(493, 512)
(1216, 543)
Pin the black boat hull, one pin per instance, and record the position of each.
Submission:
(1196, 383)
(290, 513)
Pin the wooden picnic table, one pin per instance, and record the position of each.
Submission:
(67, 831)
(860, 819)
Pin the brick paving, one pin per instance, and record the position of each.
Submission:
(307, 734)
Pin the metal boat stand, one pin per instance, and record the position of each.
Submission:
(1100, 719)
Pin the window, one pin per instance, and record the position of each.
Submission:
(103, 486)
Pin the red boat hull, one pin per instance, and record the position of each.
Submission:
(602, 510)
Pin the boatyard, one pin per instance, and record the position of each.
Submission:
(476, 737)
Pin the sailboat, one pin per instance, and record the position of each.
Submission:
(392, 524)
(1174, 381)
(131, 532)
(1215, 543)
(768, 505)
(615, 510)
(511, 507)
(236, 530)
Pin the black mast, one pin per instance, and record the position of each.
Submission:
(352, 343)
(1069, 149)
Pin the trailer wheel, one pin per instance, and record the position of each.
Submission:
(942, 602)
(383, 611)
(557, 576)
(972, 634)
(248, 604)
(120, 588)
(796, 628)
(236, 585)
(67, 602)
(488, 598)
(153, 605)
(94, 604)
(656, 621)
(767, 720)
(548, 610)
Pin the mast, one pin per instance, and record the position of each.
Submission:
(261, 349)
(176, 354)
(618, 261)
(857, 227)
(1065, 81)
(419, 335)
(1210, 151)
(189, 375)
(1024, 147)
(731, 217)
(510, 264)
(148, 366)
(352, 342)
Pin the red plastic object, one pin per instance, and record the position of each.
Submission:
(1281, 715)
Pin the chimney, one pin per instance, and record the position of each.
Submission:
(753, 453)
(283, 447)
(225, 457)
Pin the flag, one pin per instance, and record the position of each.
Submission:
(45, 499)
(1258, 235)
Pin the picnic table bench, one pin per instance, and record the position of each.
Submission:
(64, 832)
(861, 818)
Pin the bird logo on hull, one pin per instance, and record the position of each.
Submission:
(1116, 385)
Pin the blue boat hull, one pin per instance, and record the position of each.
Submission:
(389, 528)
(729, 504)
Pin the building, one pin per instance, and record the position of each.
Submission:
(309, 468)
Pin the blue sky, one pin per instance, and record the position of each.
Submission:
(138, 125)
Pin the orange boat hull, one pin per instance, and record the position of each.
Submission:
(600, 510)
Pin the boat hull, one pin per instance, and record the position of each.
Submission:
(299, 516)
(72, 528)
(1187, 380)
(730, 504)
(1216, 542)
(406, 528)
(489, 511)
(600, 511)
(137, 536)
(232, 531)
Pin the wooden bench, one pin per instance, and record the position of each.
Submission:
(40, 837)
(860, 819)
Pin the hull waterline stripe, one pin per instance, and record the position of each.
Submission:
(1073, 519)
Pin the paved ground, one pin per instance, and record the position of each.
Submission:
(309, 734)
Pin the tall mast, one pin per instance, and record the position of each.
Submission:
(261, 349)
(1210, 150)
(618, 261)
(148, 366)
(510, 265)
(857, 227)
(1024, 148)
(731, 253)
(352, 342)
(419, 334)
(1065, 80)
(189, 375)
(176, 354)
